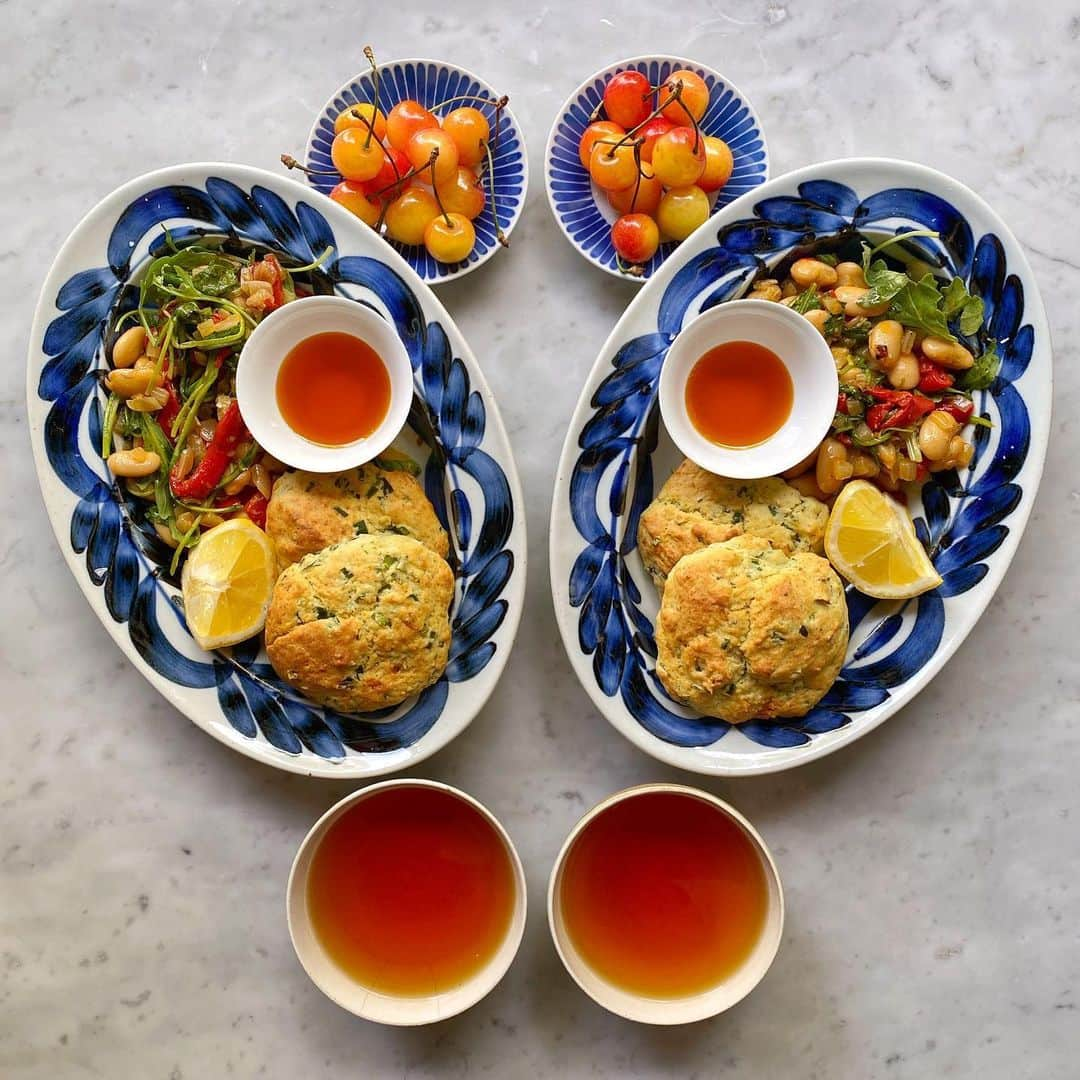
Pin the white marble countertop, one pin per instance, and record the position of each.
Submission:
(931, 869)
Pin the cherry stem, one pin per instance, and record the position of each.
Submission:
(370, 54)
(633, 269)
(291, 163)
(429, 164)
(676, 95)
(499, 234)
(352, 111)
(435, 191)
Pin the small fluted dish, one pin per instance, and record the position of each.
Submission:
(581, 209)
(432, 82)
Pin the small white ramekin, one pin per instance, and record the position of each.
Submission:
(261, 359)
(361, 1000)
(805, 354)
(682, 1010)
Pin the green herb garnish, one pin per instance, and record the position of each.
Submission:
(982, 373)
(389, 464)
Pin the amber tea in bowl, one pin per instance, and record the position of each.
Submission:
(406, 902)
(665, 905)
(324, 383)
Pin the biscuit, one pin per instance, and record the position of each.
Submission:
(695, 508)
(364, 624)
(311, 511)
(748, 631)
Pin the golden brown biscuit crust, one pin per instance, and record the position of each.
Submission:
(311, 511)
(695, 508)
(747, 631)
(362, 625)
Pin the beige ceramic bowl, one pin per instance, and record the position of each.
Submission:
(370, 1004)
(671, 1010)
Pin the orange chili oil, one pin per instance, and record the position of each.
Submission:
(411, 891)
(663, 895)
(333, 389)
(739, 393)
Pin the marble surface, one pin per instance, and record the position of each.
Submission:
(931, 869)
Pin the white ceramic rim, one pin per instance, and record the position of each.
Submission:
(260, 364)
(778, 760)
(361, 766)
(612, 69)
(372, 1003)
(813, 376)
(508, 228)
(686, 1010)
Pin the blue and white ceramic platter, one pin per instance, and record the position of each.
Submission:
(454, 431)
(583, 211)
(617, 454)
(432, 82)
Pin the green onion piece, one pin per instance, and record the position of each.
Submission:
(108, 423)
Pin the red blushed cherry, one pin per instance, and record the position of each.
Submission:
(693, 97)
(635, 237)
(657, 126)
(396, 165)
(628, 98)
(354, 195)
(404, 120)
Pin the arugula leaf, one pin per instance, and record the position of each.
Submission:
(827, 259)
(806, 301)
(972, 316)
(215, 277)
(953, 297)
(917, 306)
(983, 372)
(884, 283)
(956, 299)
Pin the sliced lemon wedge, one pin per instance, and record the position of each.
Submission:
(871, 541)
(227, 582)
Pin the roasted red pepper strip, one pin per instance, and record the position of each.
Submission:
(895, 408)
(255, 508)
(841, 404)
(228, 435)
(167, 413)
(933, 378)
(959, 408)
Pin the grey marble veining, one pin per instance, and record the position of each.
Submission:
(931, 870)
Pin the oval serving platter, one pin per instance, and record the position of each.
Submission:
(431, 82)
(616, 454)
(580, 207)
(454, 430)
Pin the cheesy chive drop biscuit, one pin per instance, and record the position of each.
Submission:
(696, 508)
(310, 511)
(364, 624)
(748, 631)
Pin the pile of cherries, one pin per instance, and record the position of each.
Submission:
(412, 176)
(652, 160)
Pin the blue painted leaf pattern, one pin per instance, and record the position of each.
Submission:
(962, 522)
(124, 558)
